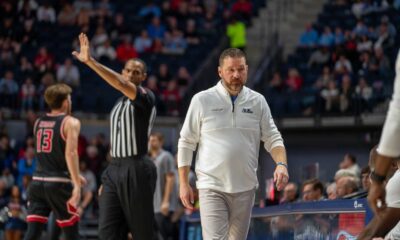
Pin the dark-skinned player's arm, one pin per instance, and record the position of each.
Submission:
(388, 148)
(71, 131)
(116, 80)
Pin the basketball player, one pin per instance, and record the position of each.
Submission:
(56, 184)
(388, 149)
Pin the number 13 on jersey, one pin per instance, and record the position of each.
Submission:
(44, 140)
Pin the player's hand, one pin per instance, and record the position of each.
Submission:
(75, 198)
(82, 180)
(165, 208)
(281, 177)
(186, 195)
(376, 195)
(84, 54)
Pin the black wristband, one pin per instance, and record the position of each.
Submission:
(377, 178)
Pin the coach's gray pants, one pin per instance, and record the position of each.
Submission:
(225, 216)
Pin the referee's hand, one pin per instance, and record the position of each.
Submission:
(186, 194)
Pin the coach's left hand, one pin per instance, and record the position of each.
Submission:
(281, 177)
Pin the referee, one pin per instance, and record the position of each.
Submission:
(129, 180)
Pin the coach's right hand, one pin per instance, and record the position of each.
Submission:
(186, 195)
(84, 54)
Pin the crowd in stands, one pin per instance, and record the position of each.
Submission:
(343, 64)
(172, 36)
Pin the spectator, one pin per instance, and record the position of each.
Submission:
(174, 43)
(360, 29)
(4, 198)
(324, 78)
(346, 94)
(165, 202)
(163, 75)
(319, 57)
(104, 8)
(349, 162)
(119, 30)
(391, 28)
(28, 35)
(327, 39)
(294, 81)
(365, 181)
(290, 193)
(330, 95)
(106, 52)
(152, 84)
(343, 65)
(339, 36)
(236, 31)
(6, 154)
(156, 29)
(8, 91)
(67, 15)
(242, 8)
(28, 94)
(26, 68)
(345, 186)
(364, 94)
(47, 80)
(46, 13)
(380, 62)
(126, 51)
(183, 77)
(331, 191)
(26, 165)
(365, 44)
(158, 46)
(385, 40)
(313, 190)
(92, 160)
(150, 10)
(15, 225)
(191, 34)
(42, 58)
(8, 53)
(143, 43)
(171, 98)
(309, 37)
(83, 17)
(83, 4)
(8, 177)
(100, 36)
(68, 73)
(32, 4)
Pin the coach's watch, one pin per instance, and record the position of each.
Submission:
(377, 178)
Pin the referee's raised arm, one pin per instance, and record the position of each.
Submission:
(116, 80)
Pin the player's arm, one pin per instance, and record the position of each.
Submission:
(388, 148)
(71, 131)
(113, 78)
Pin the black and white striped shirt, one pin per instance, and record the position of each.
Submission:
(131, 123)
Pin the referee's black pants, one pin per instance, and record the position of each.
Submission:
(127, 199)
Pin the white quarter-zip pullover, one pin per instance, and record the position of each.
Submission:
(228, 135)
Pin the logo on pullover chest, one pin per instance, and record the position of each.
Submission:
(247, 110)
